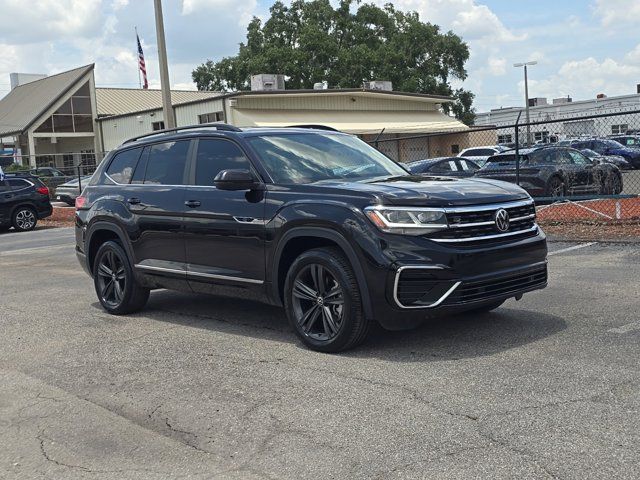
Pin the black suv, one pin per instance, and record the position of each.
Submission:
(314, 220)
(23, 200)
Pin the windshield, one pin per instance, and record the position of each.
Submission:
(610, 143)
(314, 157)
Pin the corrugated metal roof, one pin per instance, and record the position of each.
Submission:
(120, 101)
(26, 103)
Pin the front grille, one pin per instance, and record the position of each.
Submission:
(476, 225)
(504, 285)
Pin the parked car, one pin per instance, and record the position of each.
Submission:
(604, 146)
(316, 221)
(617, 160)
(47, 172)
(69, 191)
(24, 199)
(448, 166)
(632, 141)
(554, 172)
(480, 154)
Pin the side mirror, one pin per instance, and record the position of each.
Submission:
(236, 180)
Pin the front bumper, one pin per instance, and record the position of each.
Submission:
(428, 279)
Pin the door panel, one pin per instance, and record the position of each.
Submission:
(156, 202)
(5, 202)
(224, 230)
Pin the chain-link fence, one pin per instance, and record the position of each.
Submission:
(577, 169)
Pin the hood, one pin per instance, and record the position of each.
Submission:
(413, 190)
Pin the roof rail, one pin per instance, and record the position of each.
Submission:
(218, 126)
(316, 127)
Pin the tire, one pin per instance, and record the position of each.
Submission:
(555, 187)
(613, 185)
(323, 301)
(24, 219)
(114, 281)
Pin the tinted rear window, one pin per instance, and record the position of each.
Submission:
(166, 163)
(123, 165)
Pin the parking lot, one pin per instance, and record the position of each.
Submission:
(206, 387)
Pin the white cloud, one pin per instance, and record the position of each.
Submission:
(49, 20)
(587, 77)
(497, 66)
(243, 9)
(611, 12)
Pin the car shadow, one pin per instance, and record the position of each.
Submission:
(450, 338)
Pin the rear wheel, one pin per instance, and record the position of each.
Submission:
(613, 184)
(323, 302)
(114, 281)
(24, 219)
(555, 187)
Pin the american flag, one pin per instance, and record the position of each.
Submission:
(141, 64)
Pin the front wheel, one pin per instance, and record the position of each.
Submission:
(114, 281)
(323, 301)
(613, 185)
(555, 188)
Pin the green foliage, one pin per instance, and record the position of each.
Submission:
(311, 41)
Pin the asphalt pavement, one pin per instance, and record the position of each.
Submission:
(209, 387)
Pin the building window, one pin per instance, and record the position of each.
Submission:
(455, 149)
(619, 129)
(541, 136)
(67, 160)
(211, 117)
(157, 126)
(74, 115)
(506, 138)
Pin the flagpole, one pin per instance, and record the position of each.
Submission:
(138, 62)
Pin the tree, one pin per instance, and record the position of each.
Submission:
(311, 41)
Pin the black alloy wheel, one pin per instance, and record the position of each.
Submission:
(114, 281)
(111, 279)
(323, 303)
(318, 302)
(24, 219)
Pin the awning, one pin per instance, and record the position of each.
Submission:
(356, 122)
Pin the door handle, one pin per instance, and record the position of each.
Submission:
(192, 203)
(133, 201)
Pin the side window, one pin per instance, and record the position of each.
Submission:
(4, 186)
(166, 163)
(18, 183)
(578, 158)
(467, 165)
(215, 156)
(123, 165)
(443, 167)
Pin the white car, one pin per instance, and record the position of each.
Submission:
(480, 154)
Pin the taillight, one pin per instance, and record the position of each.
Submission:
(43, 191)
(80, 202)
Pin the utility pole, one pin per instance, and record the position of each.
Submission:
(167, 107)
(526, 96)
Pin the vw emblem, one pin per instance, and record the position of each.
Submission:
(502, 220)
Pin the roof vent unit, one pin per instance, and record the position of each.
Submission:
(638, 87)
(321, 85)
(538, 101)
(267, 82)
(18, 79)
(561, 100)
(379, 85)
(601, 96)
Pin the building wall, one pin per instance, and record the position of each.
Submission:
(339, 102)
(118, 129)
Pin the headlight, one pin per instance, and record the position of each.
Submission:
(406, 220)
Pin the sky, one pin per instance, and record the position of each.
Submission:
(583, 47)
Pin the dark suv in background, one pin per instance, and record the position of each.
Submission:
(552, 171)
(23, 200)
(316, 221)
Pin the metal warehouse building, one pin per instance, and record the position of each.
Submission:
(63, 119)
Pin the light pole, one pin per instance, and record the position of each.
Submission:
(167, 107)
(526, 95)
